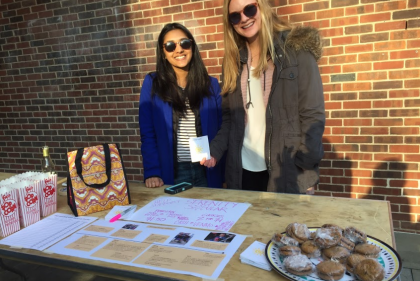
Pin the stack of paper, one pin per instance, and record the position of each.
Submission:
(255, 255)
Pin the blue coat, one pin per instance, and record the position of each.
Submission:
(156, 130)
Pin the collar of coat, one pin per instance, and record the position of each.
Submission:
(300, 38)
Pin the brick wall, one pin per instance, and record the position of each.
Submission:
(71, 71)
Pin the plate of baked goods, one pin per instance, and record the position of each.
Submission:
(331, 253)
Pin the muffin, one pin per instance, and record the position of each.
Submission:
(286, 251)
(310, 249)
(298, 265)
(327, 237)
(369, 270)
(330, 270)
(336, 253)
(355, 235)
(367, 250)
(281, 240)
(352, 261)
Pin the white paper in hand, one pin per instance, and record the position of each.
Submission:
(255, 255)
(199, 148)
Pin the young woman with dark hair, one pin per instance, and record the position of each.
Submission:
(177, 102)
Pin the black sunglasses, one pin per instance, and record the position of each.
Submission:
(185, 44)
(249, 10)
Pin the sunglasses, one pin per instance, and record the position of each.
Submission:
(185, 44)
(249, 10)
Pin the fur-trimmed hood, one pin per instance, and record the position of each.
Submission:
(304, 38)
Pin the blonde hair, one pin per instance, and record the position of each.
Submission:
(271, 24)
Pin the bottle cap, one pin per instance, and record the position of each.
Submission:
(45, 151)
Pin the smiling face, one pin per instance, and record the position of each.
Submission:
(180, 58)
(247, 27)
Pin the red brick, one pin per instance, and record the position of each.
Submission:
(375, 17)
(345, 131)
(289, 9)
(163, 19)
(389, 6)
(404, 148)
(359, 156)
(401, 199)
(386, 157)
(404, 74)
(357, 86)
(357, 67)
(332, 88)
(333, 105)
(387, 103)
(345, 40)
(406, 34)
(330, 13)
(412, 158)
(358, 139)
(388, 122)
(358, 10)
(391, 45)
(415, 83)
(371, 76)
(357, 104)
(404, 93)
(344, 21)
(405, 131)
(369, 165)
(332, 32)
(193, 6)
(388, 65)
(319, 23)
(413, 44)
(404, 183)
(302, 17)
(405, 54)
(361, 173)
(404, 217)
(373, 57)
(333, 51)
(395, 208)
(360, 48)
(358, 122)
(215, 20)
(393, 25)
(330, 69)
(374, 131)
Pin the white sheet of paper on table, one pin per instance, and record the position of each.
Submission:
(199, 148)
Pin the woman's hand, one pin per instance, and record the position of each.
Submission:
(154, 182)
(208, 163)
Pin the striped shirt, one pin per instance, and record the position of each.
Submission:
(186, 130)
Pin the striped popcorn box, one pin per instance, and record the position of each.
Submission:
(9, 211)
(49, 195)
(28, 198)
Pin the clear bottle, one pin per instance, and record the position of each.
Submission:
(48, 165)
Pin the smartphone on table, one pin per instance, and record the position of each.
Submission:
(177, 188)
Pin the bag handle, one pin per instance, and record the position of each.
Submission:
(78, 163)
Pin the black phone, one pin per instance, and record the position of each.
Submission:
(177, 188)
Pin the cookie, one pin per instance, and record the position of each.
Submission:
(346, 243)
(369, 270)
(286, 251)
(352, 261)
(310, 249)
(367, 250)
(355, 235)
(298, 265)
(336, 253)
(331, 225)
(281, 240)
(327, 237)
(330, 270)
(300, 232)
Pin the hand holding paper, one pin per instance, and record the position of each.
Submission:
(199, 148)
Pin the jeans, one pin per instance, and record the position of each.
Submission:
(193, 173)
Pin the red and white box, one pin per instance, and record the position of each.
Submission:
(9, 211)
(49, 195)
(29, 207)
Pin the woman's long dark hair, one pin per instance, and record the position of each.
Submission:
(165, 84)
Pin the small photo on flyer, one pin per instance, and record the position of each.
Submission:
(181, 238)
(221, 237)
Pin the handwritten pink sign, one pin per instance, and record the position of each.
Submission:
(207, 214)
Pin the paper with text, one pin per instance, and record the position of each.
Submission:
(207, 214)
(47, 231)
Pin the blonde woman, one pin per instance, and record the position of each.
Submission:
(273, 105)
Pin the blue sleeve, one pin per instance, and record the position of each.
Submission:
(149, 149)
